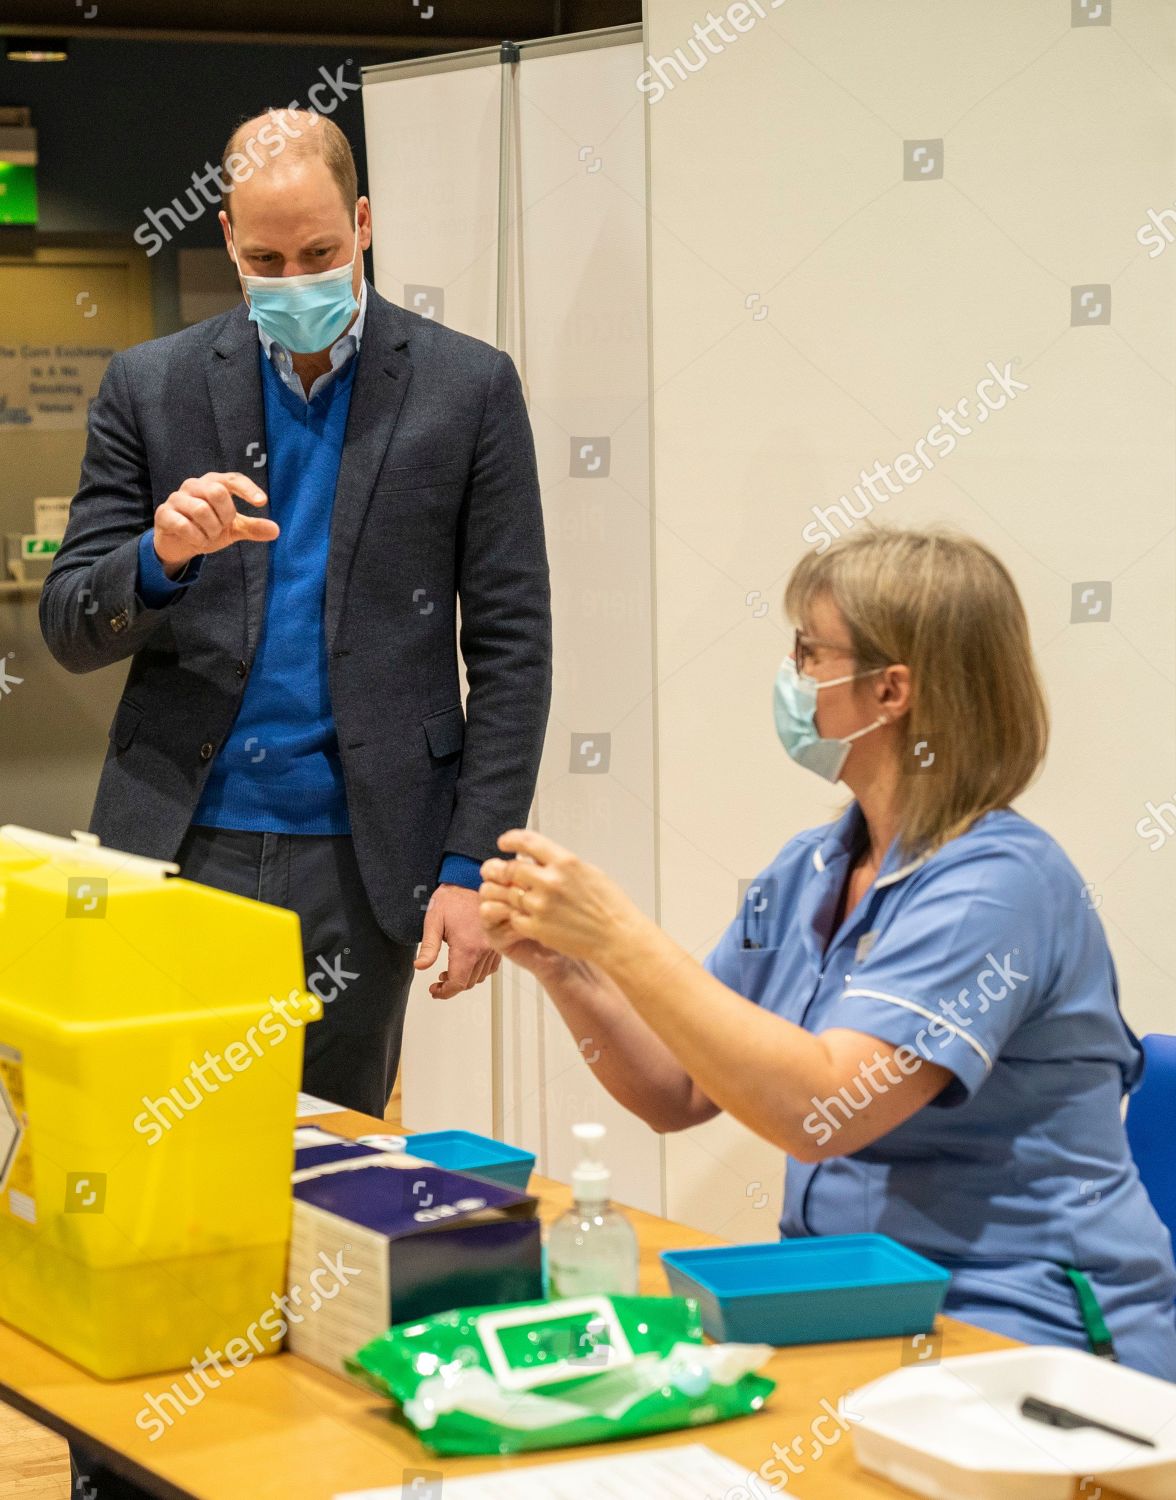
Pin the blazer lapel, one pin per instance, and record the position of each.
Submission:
(381, 382)
(234, 387)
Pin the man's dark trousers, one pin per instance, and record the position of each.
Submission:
(359, 973)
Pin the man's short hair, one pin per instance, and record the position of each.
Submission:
(256, 140)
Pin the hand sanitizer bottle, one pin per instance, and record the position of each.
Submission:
(591, 1248)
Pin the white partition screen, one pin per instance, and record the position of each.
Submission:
(509, 202)
(433, 148)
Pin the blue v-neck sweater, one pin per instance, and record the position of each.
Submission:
(279, 770)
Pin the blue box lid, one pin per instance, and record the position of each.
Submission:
(397, 1201)
(322, 1153)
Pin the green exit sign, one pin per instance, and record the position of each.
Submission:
(18, 193)
(39, 546)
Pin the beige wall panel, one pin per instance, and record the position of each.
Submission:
(782, 179)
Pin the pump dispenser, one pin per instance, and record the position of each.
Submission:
(592, 1179)
(592, 1247)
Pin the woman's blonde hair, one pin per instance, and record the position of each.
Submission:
(944, 606)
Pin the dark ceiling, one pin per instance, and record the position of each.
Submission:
(401, 26)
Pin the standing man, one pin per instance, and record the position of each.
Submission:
(279, 509)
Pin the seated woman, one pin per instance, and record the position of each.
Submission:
(933, 1034)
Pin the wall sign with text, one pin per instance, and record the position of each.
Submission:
(49, 385)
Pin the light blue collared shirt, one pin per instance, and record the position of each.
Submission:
(342, 350)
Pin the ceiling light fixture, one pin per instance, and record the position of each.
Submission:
(36, 49)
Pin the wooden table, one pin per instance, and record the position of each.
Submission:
(282, 1429)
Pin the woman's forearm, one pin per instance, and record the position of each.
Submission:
(674, 1043)
(623, 1051)
(755, 1065)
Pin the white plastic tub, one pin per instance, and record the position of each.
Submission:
(954, 1431)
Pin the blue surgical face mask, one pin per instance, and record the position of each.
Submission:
(305, 313)
(795, 705)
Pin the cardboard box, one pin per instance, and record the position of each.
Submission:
(381, 1237)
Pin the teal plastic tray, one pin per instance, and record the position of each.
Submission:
(810, 1291)
(480, 1155)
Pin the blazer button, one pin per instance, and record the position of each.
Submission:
(241, 669)
(206, 750)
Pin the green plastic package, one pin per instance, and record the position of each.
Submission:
(548, 1374)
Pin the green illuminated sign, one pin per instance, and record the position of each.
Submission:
(39, 546)
(18, 194)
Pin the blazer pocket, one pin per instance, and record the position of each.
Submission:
(422, 477)
(125, 722)
(445, 731)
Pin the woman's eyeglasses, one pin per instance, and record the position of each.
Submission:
(803, 647)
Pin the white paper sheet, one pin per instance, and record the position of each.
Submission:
(308, 1105)
(311, 1135)
(691, 1472)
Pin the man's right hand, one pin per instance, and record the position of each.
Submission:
(200, 517)
(542, 961)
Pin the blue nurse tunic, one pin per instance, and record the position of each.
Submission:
(987, 958)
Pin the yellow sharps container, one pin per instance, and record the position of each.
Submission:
(151, 1038)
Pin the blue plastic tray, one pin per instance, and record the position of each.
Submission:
(463, 1151)
(810, 1291)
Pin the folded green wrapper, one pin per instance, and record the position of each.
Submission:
(549, 1374)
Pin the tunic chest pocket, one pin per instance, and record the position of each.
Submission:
(775, 982)
(759, 977)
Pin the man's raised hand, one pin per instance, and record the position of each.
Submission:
(201, 517)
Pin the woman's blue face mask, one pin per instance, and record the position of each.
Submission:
(305, 313)
(795, 707)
